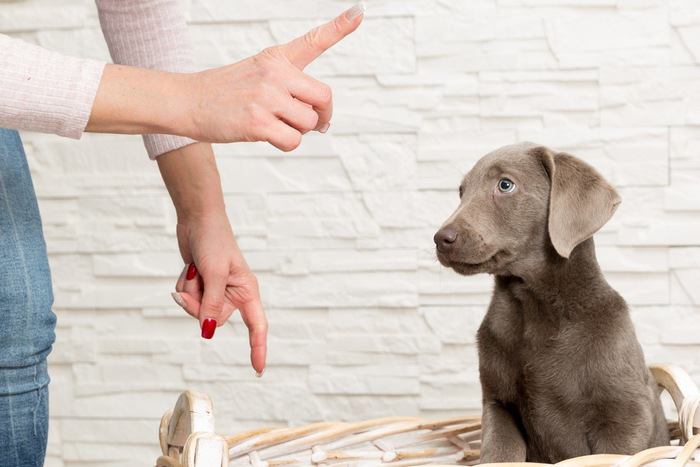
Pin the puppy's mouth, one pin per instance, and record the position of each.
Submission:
(468, 268)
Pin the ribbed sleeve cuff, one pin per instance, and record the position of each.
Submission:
(160, 144)
(45, 91)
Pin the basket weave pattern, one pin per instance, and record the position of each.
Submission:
(188, 438)
(396, 441)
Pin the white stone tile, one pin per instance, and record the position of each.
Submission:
(364, 322)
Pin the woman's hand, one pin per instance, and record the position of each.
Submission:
(266, 97)
(216, 279)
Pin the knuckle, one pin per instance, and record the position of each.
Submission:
(264, 63)
(325, 93)
(337, 25)
(204, 263)
(292, 142)
(269, 51)
(215, 305)
(260, 328)
(213, 274)
(257, 132)
(252, 282)
(259, 60)
(312, 38)
(256, 114)
(207, 261)
(269, 54)
(313, 121)
(256, 128)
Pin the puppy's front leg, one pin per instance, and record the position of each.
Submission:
(501, 439)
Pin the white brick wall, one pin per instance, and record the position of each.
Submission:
(364, 322)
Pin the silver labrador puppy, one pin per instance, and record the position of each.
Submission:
(562, 372)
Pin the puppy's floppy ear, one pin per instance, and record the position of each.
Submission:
(581, 201)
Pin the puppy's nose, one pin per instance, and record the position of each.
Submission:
(445, 238)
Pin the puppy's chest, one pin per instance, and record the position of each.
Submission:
(533, 328)
(541, 352)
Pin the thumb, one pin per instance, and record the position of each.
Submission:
(212, 308)
(307, 48)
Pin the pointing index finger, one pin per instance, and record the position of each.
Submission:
(307, 48)
(255, 320)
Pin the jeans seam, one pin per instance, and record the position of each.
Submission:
(40, 396)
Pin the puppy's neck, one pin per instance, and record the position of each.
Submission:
(574, 283)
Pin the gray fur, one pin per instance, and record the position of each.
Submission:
(562, 372)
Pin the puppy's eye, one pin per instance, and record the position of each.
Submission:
(461, 192)
(506, 185)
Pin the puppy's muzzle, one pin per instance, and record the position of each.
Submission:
(445, 239)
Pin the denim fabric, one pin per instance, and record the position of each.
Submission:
(24, 428)
(26, 320)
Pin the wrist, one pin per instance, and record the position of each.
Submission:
(201, 211)
(192, 179)
(178, 116)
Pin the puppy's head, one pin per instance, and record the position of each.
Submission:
(518, 203)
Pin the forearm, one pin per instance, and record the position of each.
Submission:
(132, 100)
(192, 179)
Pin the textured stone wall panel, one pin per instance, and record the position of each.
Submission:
(364, 321)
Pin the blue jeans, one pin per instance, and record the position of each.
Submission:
(26, 320)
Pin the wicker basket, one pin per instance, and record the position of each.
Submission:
(188, 439)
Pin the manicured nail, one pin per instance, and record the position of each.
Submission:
(191, 272)
(178, 299)
(355, 11)
(258, 374)
(324, 128)
(208, 328)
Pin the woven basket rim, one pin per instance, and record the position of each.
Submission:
(187, 434)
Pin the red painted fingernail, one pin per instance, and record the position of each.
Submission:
(208, 328)
(191, 272)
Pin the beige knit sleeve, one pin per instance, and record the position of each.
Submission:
(45, 91)
(148, 34)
